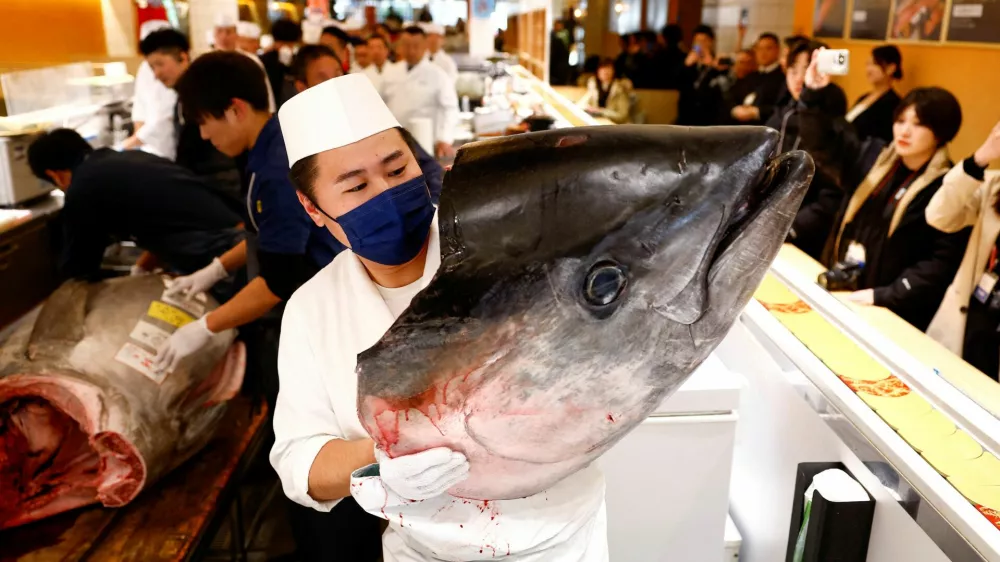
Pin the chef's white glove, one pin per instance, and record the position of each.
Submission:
(186, 340)
(422, 475)
(199, 281)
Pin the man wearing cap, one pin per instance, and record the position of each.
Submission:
(152, 106)
(435, 48)
(248, 37)
(357, 177)
(423, 91)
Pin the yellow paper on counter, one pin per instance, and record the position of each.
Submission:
(169, 314)
(986, 496)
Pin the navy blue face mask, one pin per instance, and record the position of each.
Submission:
(391, 227)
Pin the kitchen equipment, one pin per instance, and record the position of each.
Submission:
(17, 183)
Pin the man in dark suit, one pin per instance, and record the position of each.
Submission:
(769, 80)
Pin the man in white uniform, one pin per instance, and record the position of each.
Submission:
(226, 39)
(381, 68)
(423, 90)
(357, 177)
(435, 46)
(248, 37)
(152, 107)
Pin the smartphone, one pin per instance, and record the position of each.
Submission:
(745, 17)
(697, 49)
(835, 62)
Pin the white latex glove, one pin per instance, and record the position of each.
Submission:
(185, 341)
(137, 270)
(423, 475)
(199, 281)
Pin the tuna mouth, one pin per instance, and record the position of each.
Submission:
(771, 189)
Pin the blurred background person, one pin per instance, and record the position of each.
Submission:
(873, 113)
(607, 95)
(700, 93)
(882, 247)
(815, 218)
(381, 69)
(337, 40)
(668, 60)
(787, 44)
(968, 321)
(152, 107)
(362, 57)
(248, 37)
(768, 83)
(435, 48)
(278, 61)
(224, 36)
(559, 68)
(315, 64)
(744, 83)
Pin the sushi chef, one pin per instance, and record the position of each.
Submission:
(152, 107)
(381, 68)
(248, 36)
(435, 49)
(357, 177)
(423, 89)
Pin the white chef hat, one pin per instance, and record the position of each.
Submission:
(150, 26)
(311, 31)
(266, 41)
(248, 30)
(336, 113)
(433, 29)
(225, 19)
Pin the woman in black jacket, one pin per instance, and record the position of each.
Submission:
(874, 113)
(819, 207)
(901, 262)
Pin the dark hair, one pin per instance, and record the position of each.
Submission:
(672, 34)
(165, 41)
(379, 38)
(803, 47)
(415, 30)
(306, 55)
(303, 173)
(937, 109)
(606, 62)
(56, 150)
(704, 30)
(885, 55)
(748, 52)
(286, 31)
(214, 79)
(792, 40)
(769, 35)
(339, 34)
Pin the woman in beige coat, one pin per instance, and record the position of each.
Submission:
(967, 321)
(608, 96)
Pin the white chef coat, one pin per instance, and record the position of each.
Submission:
(380, 78)
(424, 91)
(446, 63)
(332, 318)
(153, 106)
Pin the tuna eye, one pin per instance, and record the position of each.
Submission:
(604, 284)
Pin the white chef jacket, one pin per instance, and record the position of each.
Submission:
(380, 78)
(332, 318)
(153, 106)
(424, 91)
(446, 63)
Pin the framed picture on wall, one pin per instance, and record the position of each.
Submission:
(828, 19)
(917, 20)
(870, 19)
(974, 21)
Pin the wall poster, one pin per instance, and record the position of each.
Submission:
(828, 20)
(975, 21)
(870, 19)
(917, 20)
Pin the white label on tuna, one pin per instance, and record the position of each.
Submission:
(140, 360)
(967, 11)
(149, 335)
(190, 305)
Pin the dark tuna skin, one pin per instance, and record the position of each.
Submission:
(585, 274)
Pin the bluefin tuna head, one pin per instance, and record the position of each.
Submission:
(585, 274)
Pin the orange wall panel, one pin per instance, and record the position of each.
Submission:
(50, 31)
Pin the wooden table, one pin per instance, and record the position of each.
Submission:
(173, 520)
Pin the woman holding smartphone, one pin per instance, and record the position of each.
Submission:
(969, 317)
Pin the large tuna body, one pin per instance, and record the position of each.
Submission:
(83, 418)
(585, 274)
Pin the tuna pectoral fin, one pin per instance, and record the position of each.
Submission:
(61, 318)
